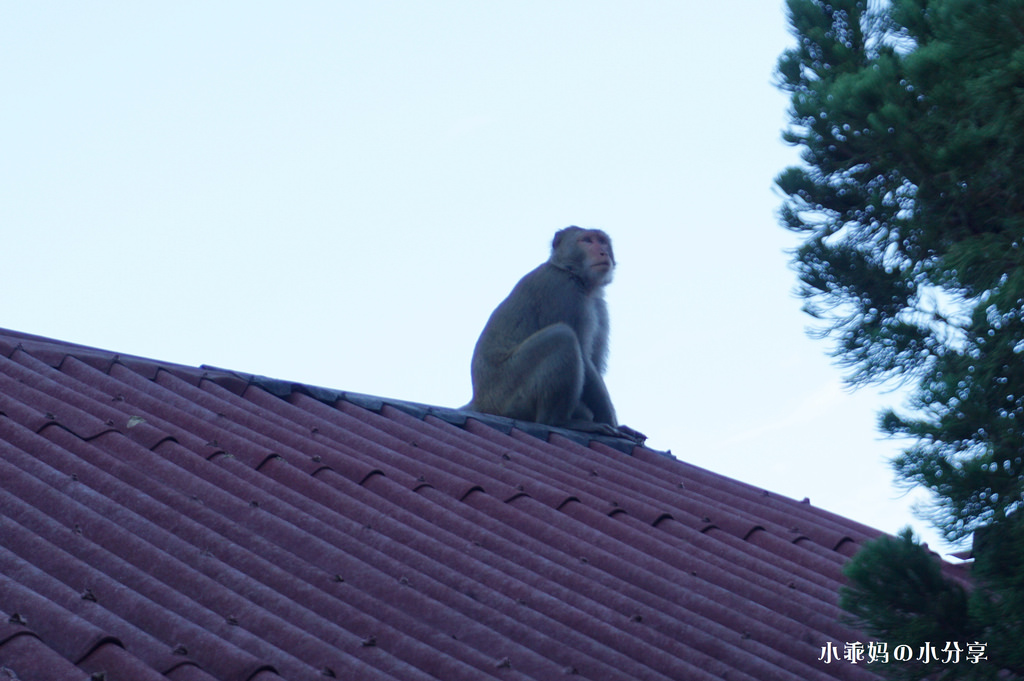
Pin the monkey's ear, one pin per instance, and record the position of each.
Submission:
(560, 234)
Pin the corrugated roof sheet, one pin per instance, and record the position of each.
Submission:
(167, 522)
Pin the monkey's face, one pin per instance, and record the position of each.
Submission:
(586, 253)
(598, 259)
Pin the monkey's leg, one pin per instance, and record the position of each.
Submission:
(545, 376)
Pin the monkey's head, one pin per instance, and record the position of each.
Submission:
(584, 253)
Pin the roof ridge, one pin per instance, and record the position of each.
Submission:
(237, 381)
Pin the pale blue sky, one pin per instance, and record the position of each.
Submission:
(339, 193)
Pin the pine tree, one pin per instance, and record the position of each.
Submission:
(910, 205)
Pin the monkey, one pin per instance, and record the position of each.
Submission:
(542, 354)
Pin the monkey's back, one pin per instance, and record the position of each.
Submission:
(547, 295)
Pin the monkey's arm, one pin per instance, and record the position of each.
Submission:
(595, 397)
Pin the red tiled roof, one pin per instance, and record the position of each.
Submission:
(167, 522)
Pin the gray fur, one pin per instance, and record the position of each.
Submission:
(543, 352)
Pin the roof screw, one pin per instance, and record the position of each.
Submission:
(88, 595)
(17, 618)
(328, 672)
(369, 642)
(504, 663)
(231, 620)
(339, 579)
(636, 618)
(179, 649)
